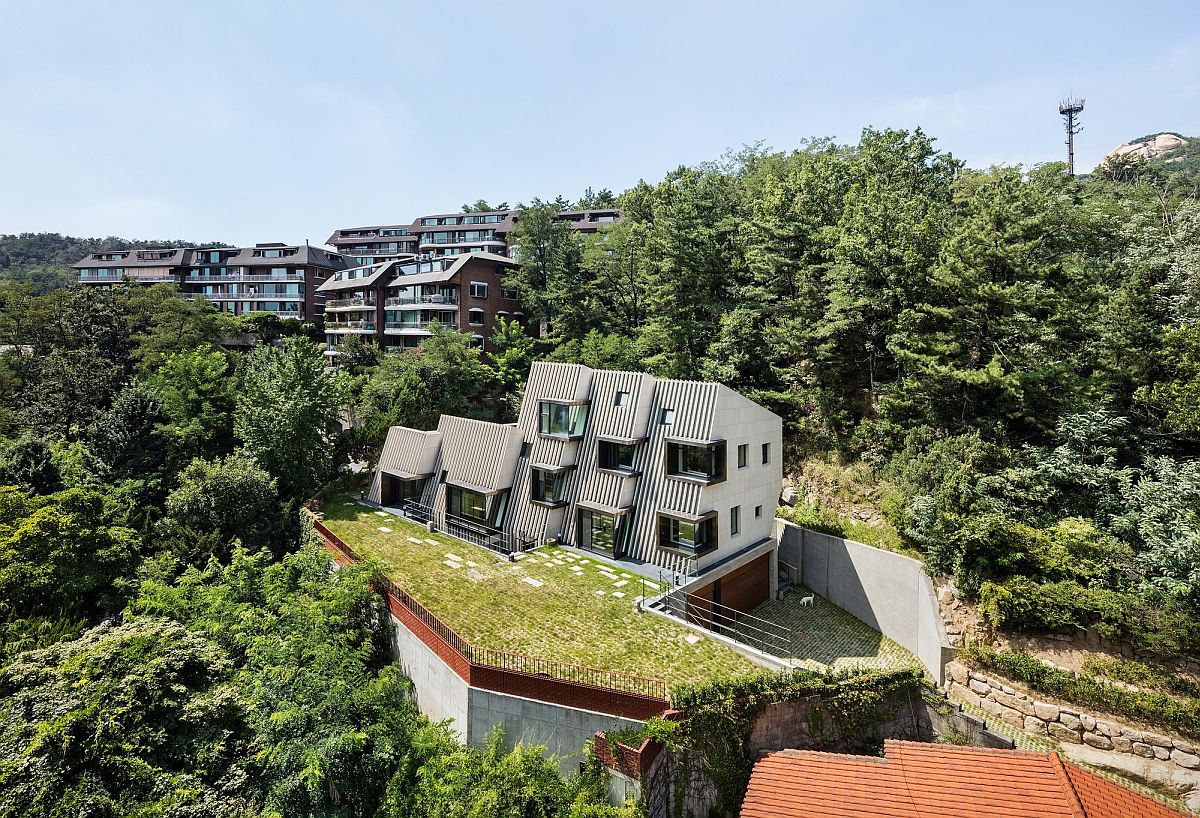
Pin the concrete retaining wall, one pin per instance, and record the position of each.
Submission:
(888, 591)
(441, 694)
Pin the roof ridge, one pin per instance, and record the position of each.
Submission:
(965, 749)
(853, 757)
(1061, 772)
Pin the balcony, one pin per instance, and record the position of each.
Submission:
(412, 327)
(349, 326)
(450, 299)
(251, 296)
(195, 279)
(353, 303)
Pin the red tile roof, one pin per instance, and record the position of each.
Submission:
(918, 780)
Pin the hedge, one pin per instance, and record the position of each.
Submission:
(1178, 713)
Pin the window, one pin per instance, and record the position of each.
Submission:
(549, 487)
(691, 536)
(525, 449)
(701, 462)
(735, 520)
(766, 451)
(668, 417)
(757, 512)
(616, 456)
(743, 455)
(475, 317)
(479, 289)
(561, 419)
(602, 532)
(621, 399)
(511, 295)
(465, 503)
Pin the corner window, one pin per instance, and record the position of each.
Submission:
(735, 520)
(616, 456)
(621, 399)
(475, 318)
(561, 419)
(602, 532)
(766, 452)
(549, 487)
(692, 537)
(700, 462)
(668, 417)
(743, 455)
(479, 289)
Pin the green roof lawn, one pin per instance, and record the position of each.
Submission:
(551, 604)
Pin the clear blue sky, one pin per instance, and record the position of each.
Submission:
(258, 121)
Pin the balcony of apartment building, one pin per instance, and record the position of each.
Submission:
(351, 325)
(351, 303)
(211, 274)
(482, 239)
(417, 301)
(417, 323)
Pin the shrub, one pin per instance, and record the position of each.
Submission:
(1141, 675)
(1181, 714)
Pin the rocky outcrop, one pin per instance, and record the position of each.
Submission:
(1150, 148)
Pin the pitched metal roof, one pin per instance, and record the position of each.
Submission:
(917, 780)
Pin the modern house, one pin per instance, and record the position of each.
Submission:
(448, 234)
(917, 780)
(277, 278)
(682, 476)
(394, 302)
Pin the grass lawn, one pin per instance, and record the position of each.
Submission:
(552, 604)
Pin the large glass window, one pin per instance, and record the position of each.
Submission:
(616, 456)
(562, 419)
(701, 462)
(465, 503)
(549, 487)
(694, 537)
(602, 532)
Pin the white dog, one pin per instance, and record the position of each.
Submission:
(806, 602)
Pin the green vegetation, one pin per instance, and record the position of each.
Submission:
(1180, 713)
(1142, 675)
(570, 617)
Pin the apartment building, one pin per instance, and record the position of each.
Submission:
(394, 302)
(272, 277)
(681, 475)
(448, 234)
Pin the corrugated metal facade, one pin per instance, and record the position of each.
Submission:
(488, 454)
(406, 451)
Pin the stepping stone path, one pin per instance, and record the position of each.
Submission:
(618, 594)
(432, 542)
(619, 584)
(454, 557)
(584, 562)
(348, 503)
(381, 513)
(536, 583)
(472, 564)
(692, 638)
(452, 563)
(385, 529)
(627, 576)
(414, 539)
(599, 593)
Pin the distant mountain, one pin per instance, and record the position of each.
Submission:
(44, 259)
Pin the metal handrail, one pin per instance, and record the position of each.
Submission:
(450, 299)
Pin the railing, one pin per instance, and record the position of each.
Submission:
(449, 299)
(252, 296)
(643, 696)
(417, 325)
(349, 325)
(252, 277)
(472, 531)
(349, 302)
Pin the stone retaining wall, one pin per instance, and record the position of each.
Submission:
(999, 698)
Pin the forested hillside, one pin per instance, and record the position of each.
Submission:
(1011, 357)
(43, 260)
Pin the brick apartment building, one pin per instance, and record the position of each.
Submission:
(273, 277)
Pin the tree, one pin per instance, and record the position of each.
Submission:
(287, 414)
(196, 392)
(548, 278)
(222, 503)
(135, 718)
(167, 323)
(511, 357)
(29, 463)
(481, 206)
(129, 436)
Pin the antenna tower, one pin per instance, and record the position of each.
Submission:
(1071, 108)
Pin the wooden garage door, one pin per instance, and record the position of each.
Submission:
(745, 588)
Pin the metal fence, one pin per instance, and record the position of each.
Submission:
(768, 637)
(472, 531)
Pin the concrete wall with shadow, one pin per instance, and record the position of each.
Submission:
(888, 591)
